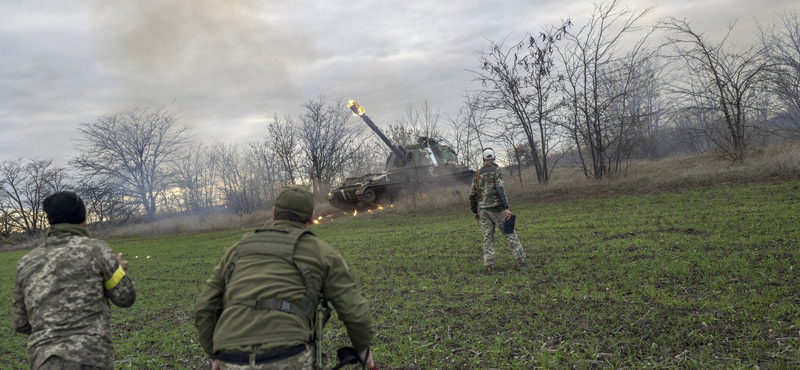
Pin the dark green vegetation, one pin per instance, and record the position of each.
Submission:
(704, 278)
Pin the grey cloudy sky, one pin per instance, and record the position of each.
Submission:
(228, 66)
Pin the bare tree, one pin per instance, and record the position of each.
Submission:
(105, 204)
(727, 76)
(592, 63)
(518, 152)
(284, 140)
(268, 174)
(135, 149)
(369, 158)
(6, 224)
(401, 134)
(327, 140)
(458, 137)
(544, 82)
(197, 174)
(522, 84)
(507, 90)
(239, 184)
(781, 45)
(468, 129)
(23, 187)
(631, 91)
(646, 103)
(689, 130)
(423, 123)
(573, 111)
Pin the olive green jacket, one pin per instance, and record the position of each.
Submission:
(244, 329)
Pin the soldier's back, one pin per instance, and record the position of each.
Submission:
(65, 302)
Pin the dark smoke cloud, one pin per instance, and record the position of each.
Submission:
(233, 54)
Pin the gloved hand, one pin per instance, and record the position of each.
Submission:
(349, 355)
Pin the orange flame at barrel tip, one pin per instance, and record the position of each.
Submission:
(380, 207)
(357, 109)
(355, 213)
(316, 221)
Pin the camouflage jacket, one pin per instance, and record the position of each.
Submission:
(61, 297)
(487, 189)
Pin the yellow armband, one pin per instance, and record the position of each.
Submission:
(118, 275)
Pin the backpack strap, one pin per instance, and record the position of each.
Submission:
(477, 184)
(282, 244)
(478, 179)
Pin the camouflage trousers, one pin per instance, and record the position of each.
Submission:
(488, 222)
(58, 363)
(301, 361)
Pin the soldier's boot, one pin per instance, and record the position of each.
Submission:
(521, 265)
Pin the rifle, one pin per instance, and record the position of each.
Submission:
(346, 355)
(323, 314)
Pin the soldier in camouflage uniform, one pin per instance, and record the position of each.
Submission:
(257, 310)
(490, 208)
(62, 292)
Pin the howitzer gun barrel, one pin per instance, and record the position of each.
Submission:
(359, 111)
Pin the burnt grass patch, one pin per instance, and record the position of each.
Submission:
(692, 279)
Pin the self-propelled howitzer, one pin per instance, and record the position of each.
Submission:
(420, 166)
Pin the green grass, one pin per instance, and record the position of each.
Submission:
(703, 278)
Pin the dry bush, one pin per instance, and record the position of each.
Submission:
(27, 243)
(778, 161)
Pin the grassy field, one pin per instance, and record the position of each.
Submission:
(702, 278)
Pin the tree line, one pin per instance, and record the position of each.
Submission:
(590, 96)
(598, 94)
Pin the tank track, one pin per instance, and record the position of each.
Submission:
(368, 199)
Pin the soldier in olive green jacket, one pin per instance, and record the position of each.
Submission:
(62, 292)
(257, 309)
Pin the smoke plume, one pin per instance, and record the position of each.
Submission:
(217, 55)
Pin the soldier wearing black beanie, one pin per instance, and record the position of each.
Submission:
(64, 285)
(64, 207)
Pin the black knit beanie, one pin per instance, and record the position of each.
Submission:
(64, 207)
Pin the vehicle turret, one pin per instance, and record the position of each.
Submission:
(424, 164)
